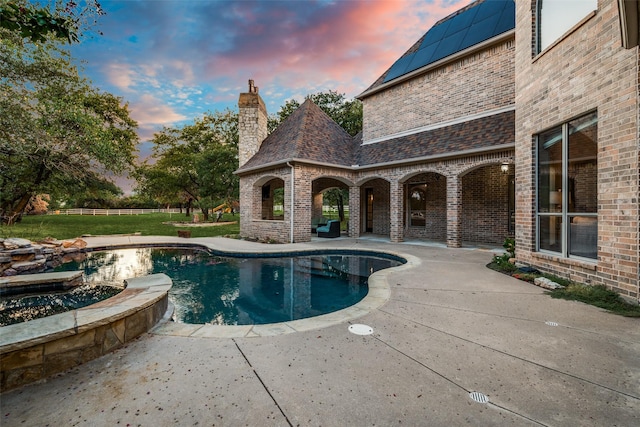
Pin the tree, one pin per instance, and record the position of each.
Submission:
(57, 132)
(62, 20)
(336, 197)
(195, 163)
(346, 113)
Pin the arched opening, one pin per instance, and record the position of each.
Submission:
(271, 195)
(330, 200)
(425, 209)
(488, 204)
(375, 212)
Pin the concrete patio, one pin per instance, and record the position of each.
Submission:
(450, 327)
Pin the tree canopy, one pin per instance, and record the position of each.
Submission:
(347, 113)
(61, 19)
(57, 133)
(194, 163)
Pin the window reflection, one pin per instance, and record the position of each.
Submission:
(556, 17)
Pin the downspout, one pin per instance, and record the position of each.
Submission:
(293, 199)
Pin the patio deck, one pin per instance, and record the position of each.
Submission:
(450, 327)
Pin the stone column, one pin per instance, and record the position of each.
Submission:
(354, 212)
(454, 211)
(396, 231)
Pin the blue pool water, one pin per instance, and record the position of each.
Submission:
(241, 291)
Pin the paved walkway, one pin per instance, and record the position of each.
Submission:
(449, 328)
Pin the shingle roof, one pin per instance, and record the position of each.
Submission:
(308, 134)
(467, 27)
(479, 134)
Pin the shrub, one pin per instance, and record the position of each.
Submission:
(599, 296)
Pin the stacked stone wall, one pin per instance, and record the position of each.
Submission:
(20, 256)
(476, 83)
(252, 125)
(587, 70)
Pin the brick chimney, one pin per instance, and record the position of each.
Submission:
(252, 125)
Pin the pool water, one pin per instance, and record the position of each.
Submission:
(241, 291)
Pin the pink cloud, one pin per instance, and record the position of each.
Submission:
(149, 110)
(120, 75)
(346, 47)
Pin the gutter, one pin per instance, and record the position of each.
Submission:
(413, 160)
(293, 199)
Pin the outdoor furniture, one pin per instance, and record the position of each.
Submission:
(316, 222)
(332, 229)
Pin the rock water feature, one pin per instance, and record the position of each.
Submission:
(21, 256)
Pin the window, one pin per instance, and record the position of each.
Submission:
(567, 191)
(556, 17)
(418, 205)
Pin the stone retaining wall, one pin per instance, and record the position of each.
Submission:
(37, 349)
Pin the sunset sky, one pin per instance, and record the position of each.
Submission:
(173, 60)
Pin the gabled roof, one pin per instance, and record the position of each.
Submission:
(470, 26)
(483, 134)
(307, 134)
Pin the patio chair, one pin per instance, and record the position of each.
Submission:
(332, 229)
(317, 222)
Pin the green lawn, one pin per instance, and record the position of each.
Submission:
(67, 227)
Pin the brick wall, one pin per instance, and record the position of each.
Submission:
(481, 184)
(381, 210)
(485, 205)
(251, 206)
(587, 70)
(435, 227)
(480, 82)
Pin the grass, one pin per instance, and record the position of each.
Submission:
(36, 227)
(596, 295)
(599, 296)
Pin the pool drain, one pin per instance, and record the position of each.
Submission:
(360, 329)
(478, 397)
(548, 323)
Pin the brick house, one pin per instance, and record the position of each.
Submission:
(577, 141)
(482, 130)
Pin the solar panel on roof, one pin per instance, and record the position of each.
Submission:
(462, 21)
(399, 68)
(489, 8)
(507, 20)
(448, 46)
(475, 25)
(435, 34)
(423, 56)
(481, 31)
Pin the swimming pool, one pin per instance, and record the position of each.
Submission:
(242, 291)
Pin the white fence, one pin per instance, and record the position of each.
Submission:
(110, 212)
